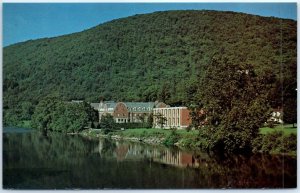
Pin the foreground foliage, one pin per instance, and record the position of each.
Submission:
(235, 101)
(275, 142)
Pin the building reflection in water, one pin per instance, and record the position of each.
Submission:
(130, 151)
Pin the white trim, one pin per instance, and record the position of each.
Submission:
(167, 108)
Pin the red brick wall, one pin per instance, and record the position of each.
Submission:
(120, 111)
(185, 117)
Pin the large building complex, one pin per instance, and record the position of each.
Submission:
(128, 112)
(164, 116)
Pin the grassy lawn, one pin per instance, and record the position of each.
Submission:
(151, 132)
(143, 132)
(286, 129)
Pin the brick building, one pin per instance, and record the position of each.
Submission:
(174, 117)
(128, 112)
(138, 112)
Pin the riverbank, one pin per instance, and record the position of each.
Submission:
(149, 136)
(180, 138)
(274, 141)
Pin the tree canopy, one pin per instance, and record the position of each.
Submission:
(157, 56)
(236, 103)
(56, 115)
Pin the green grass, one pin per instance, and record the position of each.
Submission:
(286, 129)
(143, 132)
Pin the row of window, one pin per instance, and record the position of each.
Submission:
(121, 120)
(168, 112)
(132, 114)
(129, 108)
(139, 108)
(173, 122)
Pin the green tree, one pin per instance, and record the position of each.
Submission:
(198, 115)
(77, 116)
(161, 120)
(290, 111)
(53, 114)
(26, 110)
(108, 123)
(235, 99)
(150, 120)
(43, 114)
(91, 112)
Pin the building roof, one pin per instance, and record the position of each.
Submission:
(107, 106)
(110, 104)
(139, 106)
(131, 106)
(95, 105)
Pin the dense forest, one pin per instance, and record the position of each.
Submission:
(159, 56)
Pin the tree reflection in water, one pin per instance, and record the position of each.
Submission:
(56, 161)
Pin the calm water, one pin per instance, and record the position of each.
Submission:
(34, 161)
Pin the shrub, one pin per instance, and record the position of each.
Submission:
(289, 143)
(257, 144)
(187, 142)
(134, 125)
(271, 124)
(189, 128)
(271, 142)
(172, 138)
(275, 142)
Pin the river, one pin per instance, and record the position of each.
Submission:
(57, 161)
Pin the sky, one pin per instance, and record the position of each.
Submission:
(28, 21)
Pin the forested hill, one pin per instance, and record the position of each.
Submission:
(158, 56)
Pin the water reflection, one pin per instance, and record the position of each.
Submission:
(56, 161)
(123, 151)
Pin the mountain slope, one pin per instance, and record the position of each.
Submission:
(145, 57)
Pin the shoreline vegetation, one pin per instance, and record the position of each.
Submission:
(281, 139)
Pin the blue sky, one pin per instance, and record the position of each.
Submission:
(25, 21)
